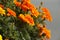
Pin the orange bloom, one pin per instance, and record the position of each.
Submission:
(30, 19)
(46, 31)
(24, 7)
(29, 5)
(47, 14)
(33, 10)
(22, 17)
(27, 18)
(18, 4)
(11, 12)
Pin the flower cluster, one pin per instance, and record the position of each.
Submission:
(28, 18)
(26, 5)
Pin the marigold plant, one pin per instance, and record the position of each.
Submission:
(21, 20)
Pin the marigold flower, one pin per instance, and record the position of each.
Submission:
(47, 14)
(18, 4)
(27, 18)
(24, 7)
(2, 11)
(11, 12)
(22, 17)
(34, 12)
(45, 31)
(30, 7)
(1, 37)
(30, 19)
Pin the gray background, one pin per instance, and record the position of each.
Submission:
(54, 7)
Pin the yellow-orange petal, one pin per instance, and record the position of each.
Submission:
(35, 12)
(30, 19)
(27, 18)
(22, 17)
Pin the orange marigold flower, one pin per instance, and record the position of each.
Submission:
(22, 17)
(30, 19)
(46, 32)
(29, 5)
(27, 18)
(18, 4)
(31, 8)
(34, 12)
(47, 14)
(11, 12)
(24, 7)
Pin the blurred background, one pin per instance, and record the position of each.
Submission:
(54, 26)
